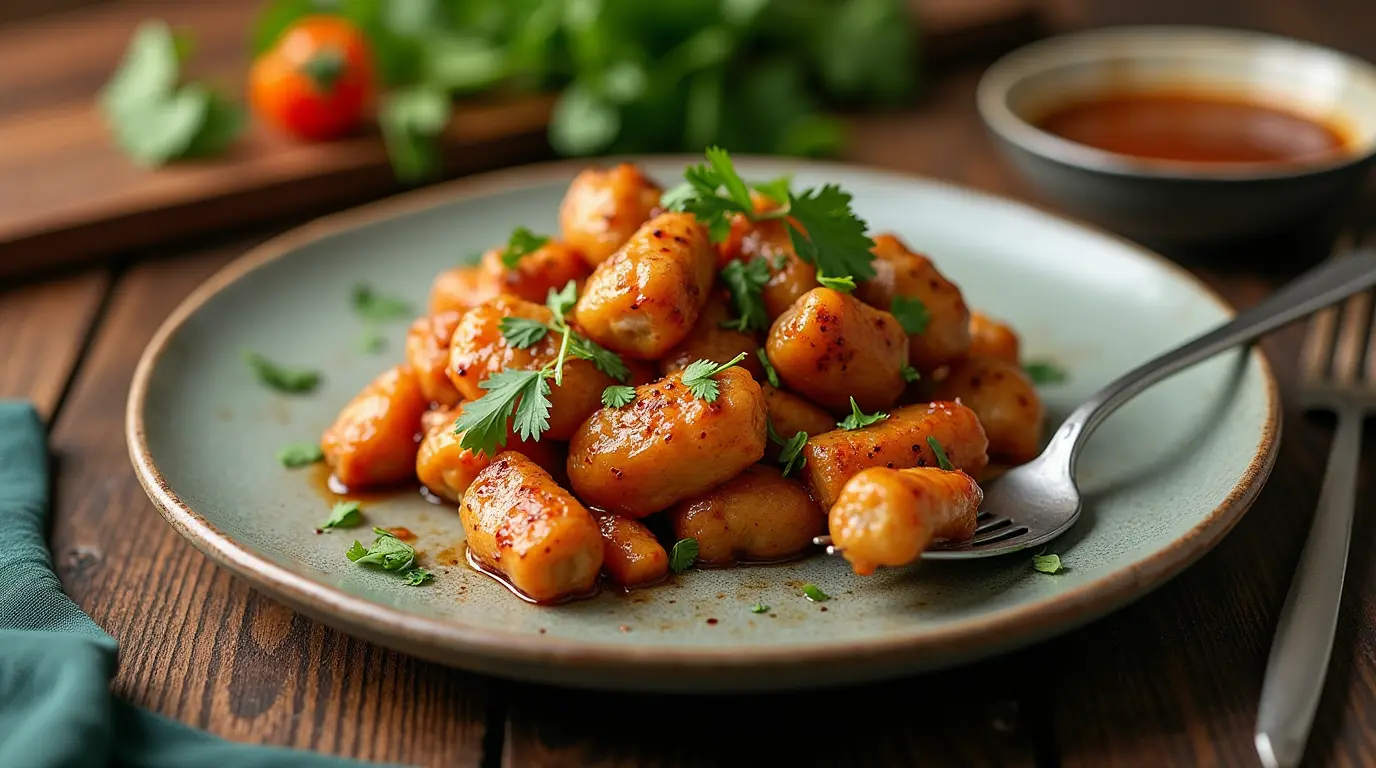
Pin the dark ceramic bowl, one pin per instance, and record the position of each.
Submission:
(1183, 204)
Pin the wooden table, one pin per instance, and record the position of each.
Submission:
(1171, 680)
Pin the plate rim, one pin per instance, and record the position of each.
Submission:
(490, 650)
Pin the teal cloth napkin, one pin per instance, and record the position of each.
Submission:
(56, 709)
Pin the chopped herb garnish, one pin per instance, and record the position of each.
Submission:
(522, 332)
(792, 455)
(821, 225)
(940, 452)
(777, 190)
(759, 608)
(618, 395)
(1043, 372)
(911, 313)
(683, 555)
(911, 374)
(346, 514)
(300, 455)
(388, 552)
(770, 374)
(698, 377)
(746, 280)
(843, 284)
(523, 242)
(415, 577)
(373, 306)
(280, 377)
(813, 593)
(859, 418)
(372, 341)
(523, 395)
(1047, 563)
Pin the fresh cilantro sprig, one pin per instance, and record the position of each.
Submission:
(911, 313)
(941, 460)
(791, 457)
(523, 242)
(843, 284)
(280, 377)
(771, 375)
(345, 514)
(683, 554)
(859, 418)
(823, 228)
(519, 399)
(698, 377)
(815, 594)
(371, 305)
(1047, 563)
(759, 608)
(390, 554)
(618, 395)
(746, 280)
(911, 374)
(1043, 372)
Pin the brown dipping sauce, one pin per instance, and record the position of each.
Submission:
(1193, 128)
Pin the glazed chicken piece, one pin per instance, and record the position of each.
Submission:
(373, 440)
(447, 469)
(668, 444)
(462, 288)
(758, 515)
(991, 338)
(900, 272)
(427, 352)
(898, 442)
(889, 517)
(603, 208)
(1004, 399)
(631, 555)
(479, 350)
(831, 347)
(647, 296)
(548, 268)
(523, 526)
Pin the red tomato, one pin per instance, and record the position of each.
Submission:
(316, 82)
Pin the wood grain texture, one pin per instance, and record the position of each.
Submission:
(196, 643)
(43, 328)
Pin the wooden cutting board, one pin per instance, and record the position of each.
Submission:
(67, 195)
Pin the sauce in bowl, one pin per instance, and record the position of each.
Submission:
(1194, 128)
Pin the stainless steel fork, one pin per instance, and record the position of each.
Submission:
(1338, 374)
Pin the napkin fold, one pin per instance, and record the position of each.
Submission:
(56, 708)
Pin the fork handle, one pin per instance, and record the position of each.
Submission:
(1304, 638)
(1326, 284)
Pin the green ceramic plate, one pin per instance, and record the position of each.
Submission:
(1164, 479)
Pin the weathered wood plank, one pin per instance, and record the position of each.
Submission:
(43, 328)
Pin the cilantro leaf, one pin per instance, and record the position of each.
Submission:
(746, 281)
(411, 120)
(759, 608)
(911, 374)
(414, 577)
(770, 374)
(1047, 563)
(374, 306)
(346, 514)
(777, 190)
(484, 422)
(617, 396)
(300, 455)
(911, 313)
(941, 460)
(698, 377)
(387, 551)
(372, 341)
(832, 237)
(792, 456)
(522, 332)
(522, 243)
(280, 377)
(561, 302)
(815, 594)
(683, 555)
(1043, 372)
(720, 161)
(859, 418)
(843, 284)
(699, 195)
(607, 361)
